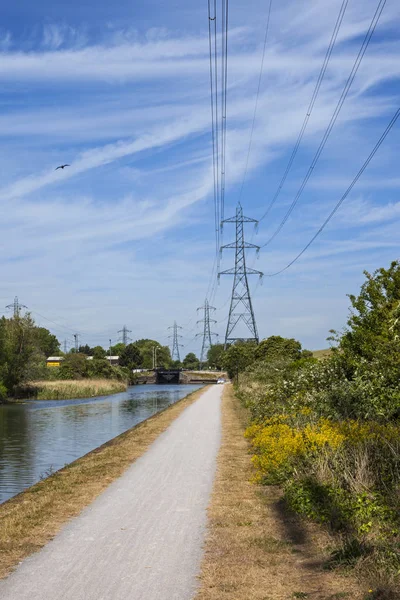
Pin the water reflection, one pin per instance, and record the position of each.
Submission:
(38, 437)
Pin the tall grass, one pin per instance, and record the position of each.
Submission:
(67, 389)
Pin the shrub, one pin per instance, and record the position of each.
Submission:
(3, 392)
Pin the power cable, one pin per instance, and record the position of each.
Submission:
(214, 133)
(256, 102)
(311, 105)
(224, 86)
(334, 117)
(65, 327)
(351, 186)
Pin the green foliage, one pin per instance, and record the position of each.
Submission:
(238, 357)
(215, 356)
(3, 393)
(98, 353)
(329, 430)
(85, 350)
(23, 350)
(191, 362)
(146, 350)
(117, 349)
(131, 357)
(276, 346)
(46, 342)
(75, 366)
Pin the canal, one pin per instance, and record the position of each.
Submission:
(40, 437)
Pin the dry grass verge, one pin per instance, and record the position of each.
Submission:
(31, 519)
(75, 388)
(255, 549)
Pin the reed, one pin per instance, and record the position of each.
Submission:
(71, 388)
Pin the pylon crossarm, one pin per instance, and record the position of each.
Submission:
(245, 245)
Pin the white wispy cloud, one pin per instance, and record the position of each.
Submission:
(133, 215)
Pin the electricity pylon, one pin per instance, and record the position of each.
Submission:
(125, 337)
(16, 306)
(207, 333)
(175, 344)
(76, 338)
(241, 308)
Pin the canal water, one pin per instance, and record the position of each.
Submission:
(40, 437)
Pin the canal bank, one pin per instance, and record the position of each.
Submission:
(29, 520)
(40, 437)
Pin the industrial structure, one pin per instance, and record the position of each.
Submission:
(207, 333)
(241, 308)
(175, 343)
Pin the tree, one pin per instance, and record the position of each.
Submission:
(368, 352)
(277, 347)
(130, 357)
(98, 352)
(117, 349)
(146, 347)
(47, 343)
(74, 366)
(191, 361)
(238, 357)
(20, 356)
(375, 317)
(215, 356)
(86, 349)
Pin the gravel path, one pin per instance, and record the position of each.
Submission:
(142, 538)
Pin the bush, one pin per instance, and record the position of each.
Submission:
(3, 392)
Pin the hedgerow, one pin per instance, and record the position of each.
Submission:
(328, 431)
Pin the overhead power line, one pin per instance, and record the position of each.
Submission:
(212, 36)
(224, 87)
(343, 198)
(311, 105)
(256, 102)
(334, 117)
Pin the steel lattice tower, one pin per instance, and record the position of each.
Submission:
(207, 333)
(16, 306)
(241, 308)
(175, 344)
(125, 337)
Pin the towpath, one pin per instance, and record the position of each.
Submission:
(142, 538)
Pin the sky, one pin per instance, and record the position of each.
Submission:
(125, 235)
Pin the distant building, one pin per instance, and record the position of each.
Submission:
(54, 361)
(113, 360)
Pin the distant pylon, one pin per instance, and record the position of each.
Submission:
(240, 300)
(65, 346)
(175, 345)
(125, 337)
(16, 306)
(207, 333)
(76, 338)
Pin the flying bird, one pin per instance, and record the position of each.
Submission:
(62, 167)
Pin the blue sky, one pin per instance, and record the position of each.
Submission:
(125, 235)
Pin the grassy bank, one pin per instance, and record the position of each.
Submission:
(337, 470)
(31, 519)
(73, 388)
(256, 549)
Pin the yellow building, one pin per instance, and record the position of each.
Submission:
(54, 361)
